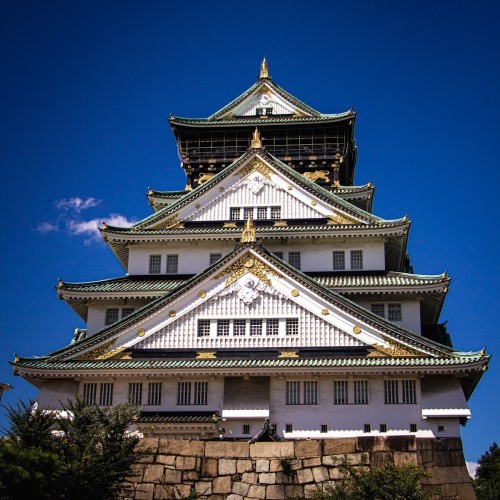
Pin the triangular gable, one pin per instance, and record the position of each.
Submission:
(265, 181)
(251, 277)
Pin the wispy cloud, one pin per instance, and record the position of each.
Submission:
(472, 468)
(69, 219)
(76, 204)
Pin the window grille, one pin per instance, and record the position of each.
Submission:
(172, 264)
(356, 259)
(255, 327)
(338, 260)
(247, 213)
(106, 394)
(154, 264)
(272, 326)
(294, 259)
(89, 393)
(222, 327)
(394, 312)
(262, 213)
(203, 328)
(184, 393)
(288, 428)
(311, 392)
(275, 212)
(200, 393)
(361, 392)
(413, 427)
(234, 213)
(154, 393)
(383, 427)
(324, 428)
(292, 326)
(391, 395)
(340, 392)
(111, 316)
(367, 428)
(378, 309)
(135, 393)
(292, 393)
(239, 327)
(409, 391)
(214, 257)
(127, 311)
(246, 429)
(279, 255)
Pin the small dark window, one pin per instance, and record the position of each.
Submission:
(259, 111)
(383, 427)
(269, 111)
(246, 429)
(288, 428)
(367, 428)
(413, 427)
(440, 428)
(324, 428)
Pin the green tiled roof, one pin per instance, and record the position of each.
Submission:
(157, 417)
(123, 284)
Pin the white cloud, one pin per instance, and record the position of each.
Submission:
(46, 227)
(76, 203)
(90, 228)
(472, 468)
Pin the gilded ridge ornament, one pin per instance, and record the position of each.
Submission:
(169, 223)
(339, 219)
(248, 234)
(141, 332)
(99, 352)
(395, 349)
(247, 264)
(254, 166)
(264, 69)
(288, 354)
(256, 142)
(356, 329)
(295, 292)
(206, 355)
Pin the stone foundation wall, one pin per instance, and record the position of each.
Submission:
(223, 470)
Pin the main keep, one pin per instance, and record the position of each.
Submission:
(266, 289)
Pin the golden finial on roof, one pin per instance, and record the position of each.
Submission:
(248, 233)
(264, 70)
(60, 282)
(104, 225)
(16, 358)
(256, 142)
(150, 191)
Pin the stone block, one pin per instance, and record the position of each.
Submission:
(145, 491)
(216, 497)
(401, 443)
(262, 466)
(166, 460)
(405, 458)
(275, 492)
(221, 485)
(294, 491)
(182, 447)
(257, 491)
(339, 446)
(240, 488)
(305, 476)
(282, 478)
(443, 475)
(153, 473)
(379, 458)
(149, 445)
(449, 490)
(310, 490)
(335, 473)
(244, 466)
(162, 491)
(371, 444)
(234, 496)
(249, 477)
(269, 450)
(312, 462)
(227, 466)
(190, 475)
(308, 448)
(426, 457)
(320, 474)
(445, 458)
(185, 463)
(182, 490)
(267, 478)
(203, 488)
(173, 476)
(217, 449)
(209, 467)
(466, 491)
(137, 473)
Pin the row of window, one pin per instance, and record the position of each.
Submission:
(113, 314)
(306, 392)
(392, 312)
(247, 327)
(297, 392)
(243, 213)
(366, 428)
(155, 264)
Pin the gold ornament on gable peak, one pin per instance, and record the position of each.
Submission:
(247, 263)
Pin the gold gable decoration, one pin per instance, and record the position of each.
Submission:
(171, 222)
(101, 352)
(339, 219)
(247, 264)
(255, 165)
(206, 355)
(395, 349)
(264, 69)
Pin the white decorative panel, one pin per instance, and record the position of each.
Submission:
(264, 101)
(313, 331)
(255, 193)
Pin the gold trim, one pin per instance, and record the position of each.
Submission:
(248, 234)
(295, 293)
(264, 69)
(172, 314)
(229, 224)
(313, 203)
(206, 355)
(99, 352)
(281, 223)
(339, 219)
(288, 354)
(202, 294)
(395, 349)
(325, 312)
(141, 332)
(256, 142)
(356, 329)
(169, 223)
(252, 166)
(247, 264)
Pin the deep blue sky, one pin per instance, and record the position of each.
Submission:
(86, 87)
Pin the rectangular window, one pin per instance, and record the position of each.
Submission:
(361, 392)
(262, 213)
(239, 327)
(292, 326)
(248, 213)
(255, 327)
(269, 111)
(200, 393)
(356, 259)
(222, 328)
(293, 393)
(294, 259)
(440, 428)
(324, 428)
(311, 392)
(279, 255)
(338, 260)
(367, 428)
(391, 395)
(214, 257)
(184, 393)
(89, 393)
(234, 213)
(135, 393)
(409, 391)
(394, 312)
(383, 427)
(413, 427)
(378, 309)
(154, 264)
(246, 429)
(272, 326)
(203, 328)
(106, 394)
(275, 212)
(172, 264)
(127, 311)
(111, 316)
(154, 393)
(259, 111)
(340, 394)
(288, 428)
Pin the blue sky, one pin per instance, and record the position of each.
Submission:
(86, 88)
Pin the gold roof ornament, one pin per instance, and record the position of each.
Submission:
(256, 142)
(264, 70)
(248, 233)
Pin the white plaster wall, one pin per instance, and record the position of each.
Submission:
(56, 391)
(316, 255)
(410, 311)
(97, 311)
(442, 393)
